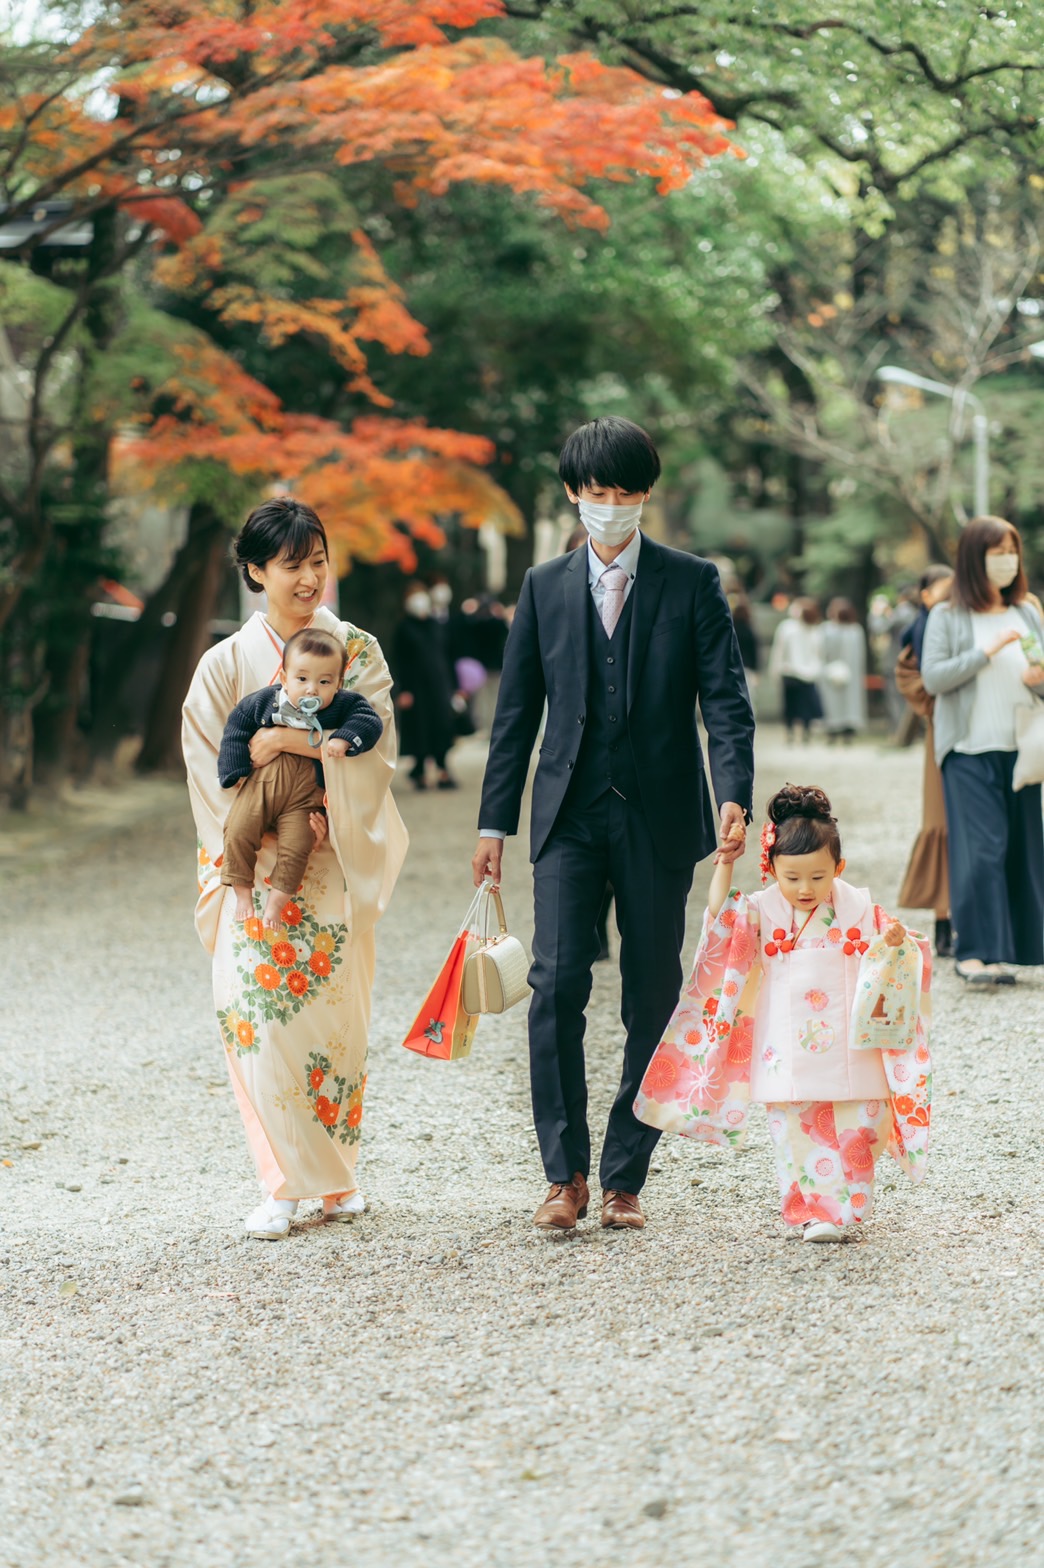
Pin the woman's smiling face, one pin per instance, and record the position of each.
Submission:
(294, 588)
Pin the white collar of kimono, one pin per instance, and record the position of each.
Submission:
(260, 639)
(852, 906)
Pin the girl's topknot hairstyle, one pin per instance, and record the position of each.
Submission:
(803, 822)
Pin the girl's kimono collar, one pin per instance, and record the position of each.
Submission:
(852, 906)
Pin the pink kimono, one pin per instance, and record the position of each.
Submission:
(758, 1022)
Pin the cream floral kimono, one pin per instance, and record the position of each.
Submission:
(734, 1038)
(294, 1005)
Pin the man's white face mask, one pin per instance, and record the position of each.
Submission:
(609, 525)
(418, 604)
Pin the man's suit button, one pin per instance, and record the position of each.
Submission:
(579, 718)
(569, 764)
(612, 688)
(612, 718)
(610, 660)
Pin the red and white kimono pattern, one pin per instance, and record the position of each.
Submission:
(774, 1027)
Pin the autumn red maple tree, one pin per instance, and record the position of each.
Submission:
(184, 119)
(208, 100)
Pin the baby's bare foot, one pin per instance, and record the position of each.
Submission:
(244, 902)
(274, 906)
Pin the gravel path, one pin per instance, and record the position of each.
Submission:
(439, 1383)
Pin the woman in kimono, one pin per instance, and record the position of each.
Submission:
(794, 1001)
(293, 1004)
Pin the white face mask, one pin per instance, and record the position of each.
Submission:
(1002, 570)
(418, 604)
(442, 596)
(609, 524)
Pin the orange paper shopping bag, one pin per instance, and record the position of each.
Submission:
(442, 1028)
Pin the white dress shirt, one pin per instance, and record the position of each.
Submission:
(627, 561)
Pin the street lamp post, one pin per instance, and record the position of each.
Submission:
(893, 375)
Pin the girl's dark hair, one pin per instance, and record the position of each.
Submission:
(932, 575)
(810, 612)
(314, 640)
(278, 527)
(611, 452)
(971, 586)
(803, 822)
(843, 611)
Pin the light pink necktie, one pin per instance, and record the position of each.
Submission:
(614, 581)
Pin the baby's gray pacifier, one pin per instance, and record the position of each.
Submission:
(308, 706)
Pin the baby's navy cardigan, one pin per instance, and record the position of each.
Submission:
(349, 716)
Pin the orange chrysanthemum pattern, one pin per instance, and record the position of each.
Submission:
(280, 971)
(337, 1096)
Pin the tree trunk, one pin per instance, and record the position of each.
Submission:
(207, 549)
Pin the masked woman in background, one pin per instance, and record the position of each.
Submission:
(424, 687)
(983, 659)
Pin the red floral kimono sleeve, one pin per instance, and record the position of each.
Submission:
(698, 1081)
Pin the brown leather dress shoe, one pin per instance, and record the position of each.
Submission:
(621, 1211)
(565, 1204)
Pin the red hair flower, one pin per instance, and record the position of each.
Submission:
(768, 839)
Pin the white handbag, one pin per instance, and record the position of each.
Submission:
(1029, 738)
(495, 975)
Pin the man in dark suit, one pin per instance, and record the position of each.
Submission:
(621, 638)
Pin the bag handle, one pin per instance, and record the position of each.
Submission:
(492, 896)
(470, 921)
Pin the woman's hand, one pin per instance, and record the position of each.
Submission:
(1002, 642)
(265, 745)
(1034, 675)
(895, 934)
(318, 824)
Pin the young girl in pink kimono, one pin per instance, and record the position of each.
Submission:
(779, 1009)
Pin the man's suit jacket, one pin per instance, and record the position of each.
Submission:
(682, 650)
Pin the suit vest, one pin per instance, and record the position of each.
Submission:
(606, 760)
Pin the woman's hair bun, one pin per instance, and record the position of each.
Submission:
(799, 800)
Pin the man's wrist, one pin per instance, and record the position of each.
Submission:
(492, 833)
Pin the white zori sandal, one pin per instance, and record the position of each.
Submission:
(271, 1221)
(344, 1208)
(822, 1230)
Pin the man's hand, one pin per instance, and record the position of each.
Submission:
(404, 700)
(336, 747)
(486, 860)
(733, 842)
(265, 745)
(1034, 676)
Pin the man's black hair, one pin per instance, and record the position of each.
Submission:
(611, 452)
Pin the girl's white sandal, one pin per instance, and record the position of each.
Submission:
(822, 1230)
(271, 1221)
(344, 1208)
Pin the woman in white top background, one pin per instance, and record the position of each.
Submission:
(796, 660)
(983, 659)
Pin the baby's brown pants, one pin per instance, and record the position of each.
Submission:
(278, 796)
